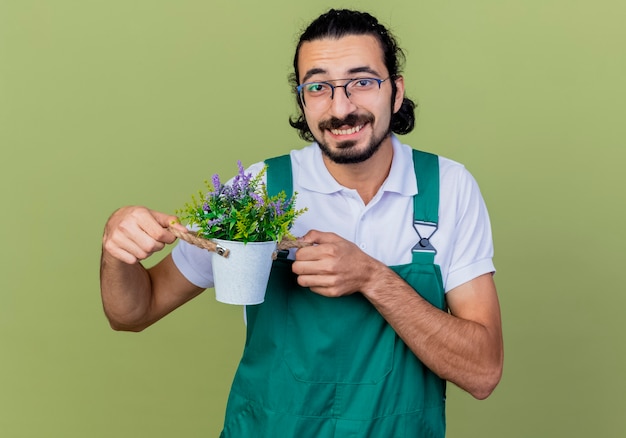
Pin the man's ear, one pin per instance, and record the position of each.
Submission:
(399, 98)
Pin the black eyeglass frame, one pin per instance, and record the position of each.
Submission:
(300, 87)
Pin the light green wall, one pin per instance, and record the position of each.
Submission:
(108, 103)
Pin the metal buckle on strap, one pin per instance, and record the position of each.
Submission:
(425, 231)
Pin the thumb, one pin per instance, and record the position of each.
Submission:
(167, 220)
(318, 237)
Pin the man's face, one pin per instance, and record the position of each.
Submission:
(349, 131)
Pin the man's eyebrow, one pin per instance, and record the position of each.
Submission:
(317, 71)
(313, 71)
(364, 69)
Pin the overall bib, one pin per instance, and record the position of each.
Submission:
(323, 367)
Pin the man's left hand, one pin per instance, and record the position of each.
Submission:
(333, 266)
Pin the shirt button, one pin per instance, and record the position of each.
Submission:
(363, 245)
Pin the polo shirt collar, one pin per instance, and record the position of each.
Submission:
(401, 177)
(314, 175)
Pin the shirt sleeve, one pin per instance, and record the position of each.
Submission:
(472, 250)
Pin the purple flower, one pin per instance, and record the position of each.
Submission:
(216, 183)
(258, 199)
(229, 193)
(215, 221)
(277, 207)
(241, 183)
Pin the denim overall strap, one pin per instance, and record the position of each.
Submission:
(279, 177)
(425, 205)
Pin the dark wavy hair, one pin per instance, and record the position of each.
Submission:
(337, 23)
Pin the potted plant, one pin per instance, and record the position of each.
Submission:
(242, 225)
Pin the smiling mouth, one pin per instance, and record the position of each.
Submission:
(352, 130)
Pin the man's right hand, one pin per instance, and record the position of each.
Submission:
(134, 233)
(135, 297)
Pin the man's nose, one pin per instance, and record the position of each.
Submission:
(341, 104)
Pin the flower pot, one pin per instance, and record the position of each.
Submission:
(242, 277)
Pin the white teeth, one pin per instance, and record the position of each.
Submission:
(346, 131)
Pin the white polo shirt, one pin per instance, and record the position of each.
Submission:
(384, 227)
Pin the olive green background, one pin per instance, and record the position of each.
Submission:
(109, 103)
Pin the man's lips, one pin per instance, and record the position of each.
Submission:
(348, 131)
(349, 125)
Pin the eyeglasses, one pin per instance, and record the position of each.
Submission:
(317, 96)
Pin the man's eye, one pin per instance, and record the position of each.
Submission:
(363, 83)
(315, 87)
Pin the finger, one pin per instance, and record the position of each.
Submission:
(316, 266)
(166, 220)
(312, 253)
(313, 281)
(136, 243)
(322, 285)
(155, 224)
(123, 249)
(121, 255)
(330, 247)
(177, 225)
(319, 237)
(305, 267)
(155, 233)
(151, 240)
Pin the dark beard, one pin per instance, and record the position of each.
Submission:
(346, 154)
